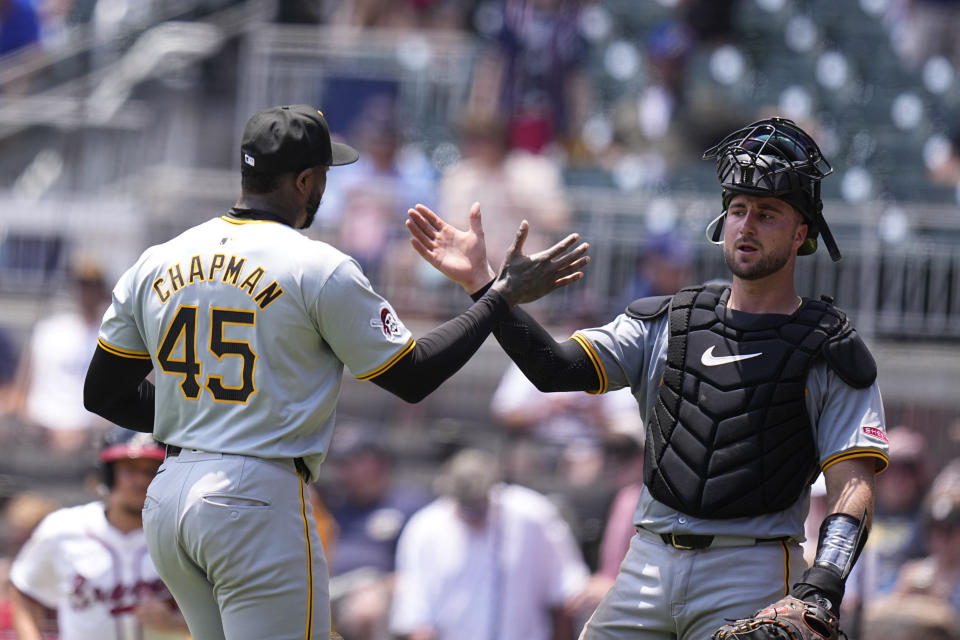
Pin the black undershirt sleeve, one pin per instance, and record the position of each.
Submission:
(443, 351)
(548, 364)
(115, 388)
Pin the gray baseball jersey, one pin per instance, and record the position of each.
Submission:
(847, 422)
(248, 324)
(662, 592)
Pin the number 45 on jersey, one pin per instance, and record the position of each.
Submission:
(183, 330)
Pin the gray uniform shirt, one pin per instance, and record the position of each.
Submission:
(249, 324)
(847, 423)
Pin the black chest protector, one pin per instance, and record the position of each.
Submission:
(730, 435)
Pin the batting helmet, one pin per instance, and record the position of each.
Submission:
(775, 158)
(124, 444)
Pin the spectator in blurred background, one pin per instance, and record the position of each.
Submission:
(910, 617)
(897, 534)
(301, 11)
(557, 434)
(485, 560)
(21, 515)
(654, 120)
(19, 25)
(401, 14)
(90, 562)
(623, 464)
(925, 28)
(510, 185)
(9, 357)
(945, 168)
(589, 476)
(535, 74)
(711, 22)
(370, 509)
(54, 365)
(938, 574)
(627, 465)
(664, 265)
(365, 209)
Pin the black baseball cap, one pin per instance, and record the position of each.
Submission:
(291, 138)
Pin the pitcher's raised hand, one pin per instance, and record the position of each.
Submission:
(524, 278)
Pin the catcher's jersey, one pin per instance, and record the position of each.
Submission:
(93, 574)
(248, 324)
(847, 422)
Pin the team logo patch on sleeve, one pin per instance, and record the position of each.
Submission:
(875, 433)
(388, 323)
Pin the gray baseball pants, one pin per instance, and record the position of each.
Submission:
(233, 538)
(663, 593)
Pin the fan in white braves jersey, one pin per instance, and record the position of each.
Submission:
(90, 562)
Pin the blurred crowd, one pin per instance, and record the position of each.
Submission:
(536, 523)
(536, 515)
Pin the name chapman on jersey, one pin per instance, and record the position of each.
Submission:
(218, 268)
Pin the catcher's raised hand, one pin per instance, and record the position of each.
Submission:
(459, 255)
(786, 619)
(524, 278)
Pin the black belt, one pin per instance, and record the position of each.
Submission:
(688, 542)
(298, 463)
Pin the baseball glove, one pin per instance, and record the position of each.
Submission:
(786, 619)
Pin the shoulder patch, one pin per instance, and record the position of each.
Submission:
(388, 324)
(648, 308)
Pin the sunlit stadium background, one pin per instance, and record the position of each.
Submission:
(121, 128)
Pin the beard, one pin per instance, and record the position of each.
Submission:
(765, 266)
(132, 509)
(311, 209)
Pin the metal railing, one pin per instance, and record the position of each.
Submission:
(909, 290)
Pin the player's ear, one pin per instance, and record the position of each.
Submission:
(302, 180)
(800, 234)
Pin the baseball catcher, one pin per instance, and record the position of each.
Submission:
(810, 610)
(747, 391)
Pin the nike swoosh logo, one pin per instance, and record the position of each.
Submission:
(710, 360)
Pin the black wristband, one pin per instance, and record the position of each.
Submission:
(820, 580)
(842, 538)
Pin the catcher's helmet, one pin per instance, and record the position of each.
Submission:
(124, 444)
(775, 158)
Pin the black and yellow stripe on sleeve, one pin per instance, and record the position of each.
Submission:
(595, 359)
(882, 459)
(123, 353)
(389, 363)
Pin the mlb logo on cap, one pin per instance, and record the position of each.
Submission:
(291, 138)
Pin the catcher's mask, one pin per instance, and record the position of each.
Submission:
(119, 443)
(774, 158)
